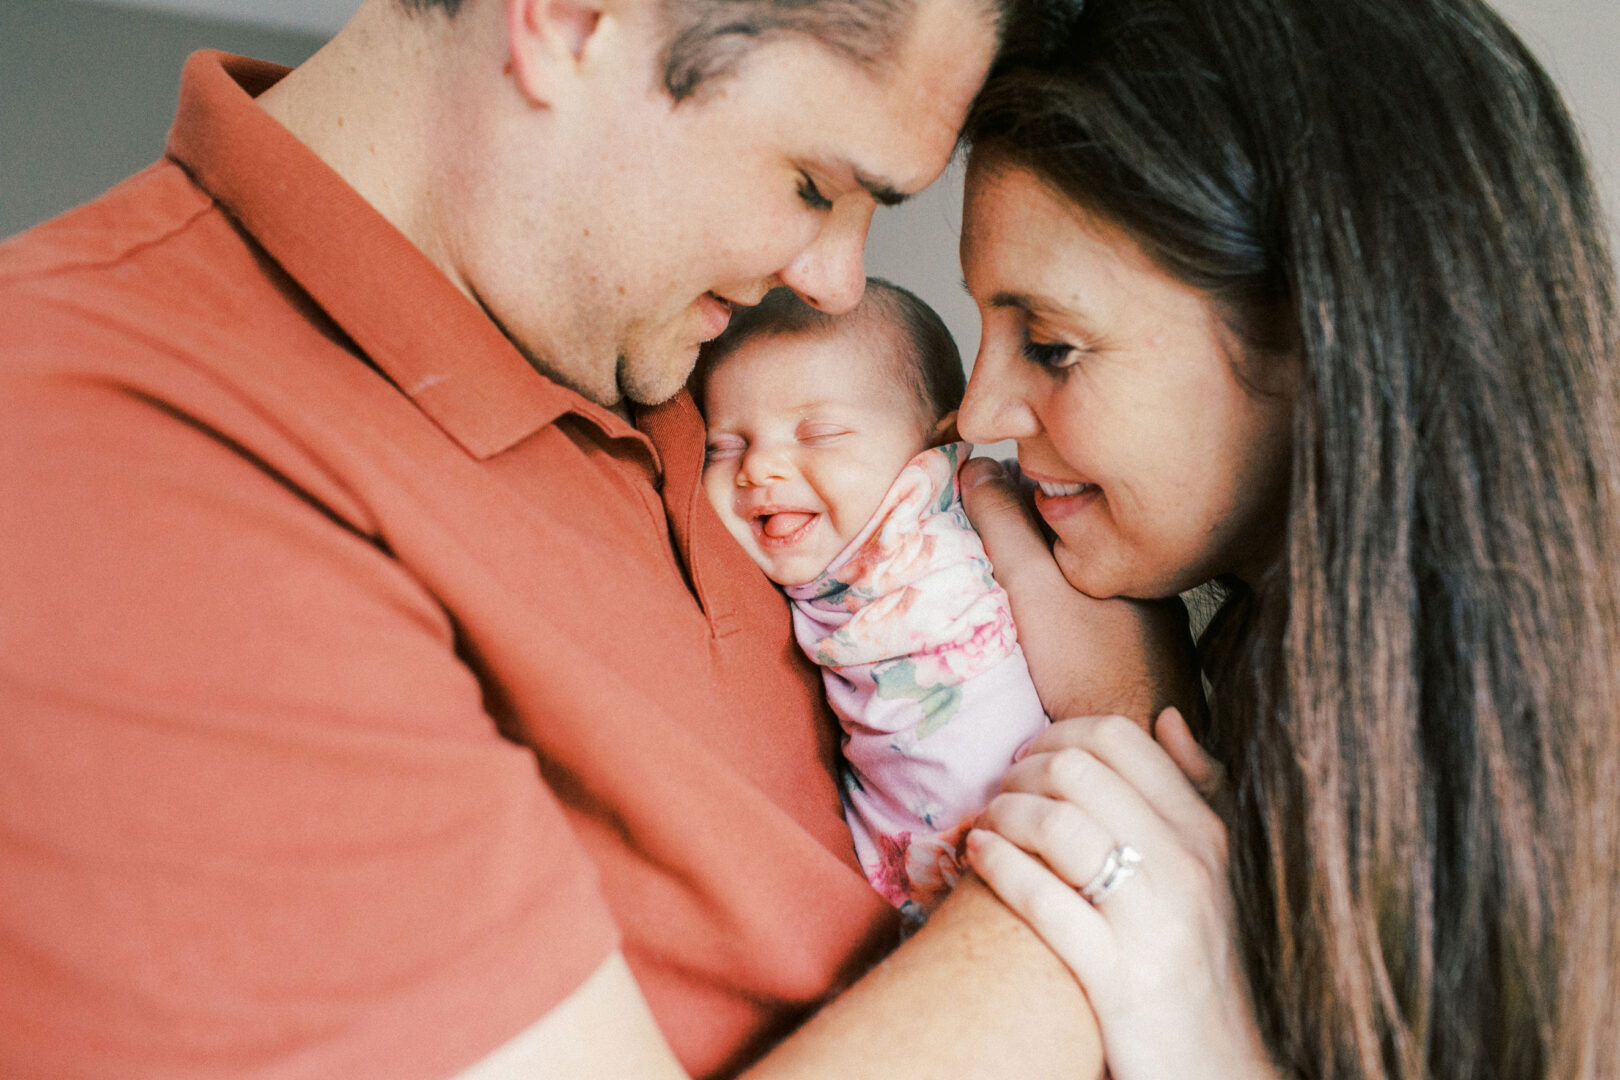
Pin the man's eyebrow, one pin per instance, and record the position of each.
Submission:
(885, 194)
(882, 191)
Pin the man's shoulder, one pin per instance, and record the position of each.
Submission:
(147, 209)
(150, 308)
(152, 281)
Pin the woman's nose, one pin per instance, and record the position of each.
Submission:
(996, 406)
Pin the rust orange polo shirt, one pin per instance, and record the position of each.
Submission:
(360, 688)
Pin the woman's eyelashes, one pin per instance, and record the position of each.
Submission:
(1053, 355)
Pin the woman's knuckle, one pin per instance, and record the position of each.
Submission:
(1068, 768)
(1114, 732)
(1049, 903)
(1204, 877)
(1209, 841)
(1055, 828)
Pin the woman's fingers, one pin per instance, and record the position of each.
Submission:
(1066, 837)
(1086, 655)
(1205, 773)
(1072, 928)
(1118, 773)
(1007, 524)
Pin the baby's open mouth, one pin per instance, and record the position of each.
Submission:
(783, 526)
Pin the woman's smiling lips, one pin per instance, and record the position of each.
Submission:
(1056, 499)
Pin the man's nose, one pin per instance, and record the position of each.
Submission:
(996, 405)
(830, 273)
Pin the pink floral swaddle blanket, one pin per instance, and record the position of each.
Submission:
(922, 666)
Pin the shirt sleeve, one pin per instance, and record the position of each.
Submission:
(255, 820)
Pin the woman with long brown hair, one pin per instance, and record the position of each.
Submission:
(1313, 300)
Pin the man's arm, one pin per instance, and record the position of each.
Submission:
(974, 995)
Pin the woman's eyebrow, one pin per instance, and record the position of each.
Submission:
(1023, 301)
(1041, 306)
(1033, 302)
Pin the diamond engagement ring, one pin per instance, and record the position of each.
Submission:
(1120, 864)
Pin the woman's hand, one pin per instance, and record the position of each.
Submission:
(1086, 656)
(1158, 954)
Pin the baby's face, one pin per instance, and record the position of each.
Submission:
(807, 432)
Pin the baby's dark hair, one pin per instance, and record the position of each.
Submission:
(934, 373)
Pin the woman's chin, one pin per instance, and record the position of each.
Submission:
(1103, 580)
(1084, 575)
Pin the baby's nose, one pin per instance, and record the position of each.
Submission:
(761, 465)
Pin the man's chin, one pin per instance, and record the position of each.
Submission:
(641, 386)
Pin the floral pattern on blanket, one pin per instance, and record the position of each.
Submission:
(921, 662)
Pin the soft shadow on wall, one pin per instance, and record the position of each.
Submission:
(87, 92)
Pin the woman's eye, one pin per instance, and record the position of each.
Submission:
(1050, 354)
(812, 196)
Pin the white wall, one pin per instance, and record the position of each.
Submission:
(87, 97)
(87, 92)
(321, 17)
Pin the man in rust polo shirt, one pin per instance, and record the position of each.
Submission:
(378, 695)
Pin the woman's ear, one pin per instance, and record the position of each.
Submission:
(546, 40)
(945, 430)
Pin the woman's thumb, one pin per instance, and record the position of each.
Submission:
(1176, 737)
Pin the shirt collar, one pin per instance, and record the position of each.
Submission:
(425, 335)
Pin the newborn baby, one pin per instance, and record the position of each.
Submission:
(829, 459)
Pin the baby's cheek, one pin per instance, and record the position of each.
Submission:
(717, 488)
(721, 491)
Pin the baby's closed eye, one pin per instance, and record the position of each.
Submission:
(722, 447)
(821, 434)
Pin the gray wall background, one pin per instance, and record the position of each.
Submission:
(87, 91)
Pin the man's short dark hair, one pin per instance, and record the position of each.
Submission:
(931, 365)
(706, 39)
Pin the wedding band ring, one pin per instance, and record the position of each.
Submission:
(1120, 864)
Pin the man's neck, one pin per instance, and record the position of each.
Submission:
(367, 104)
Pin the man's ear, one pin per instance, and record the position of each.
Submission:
(945, 430)
(547, 39)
